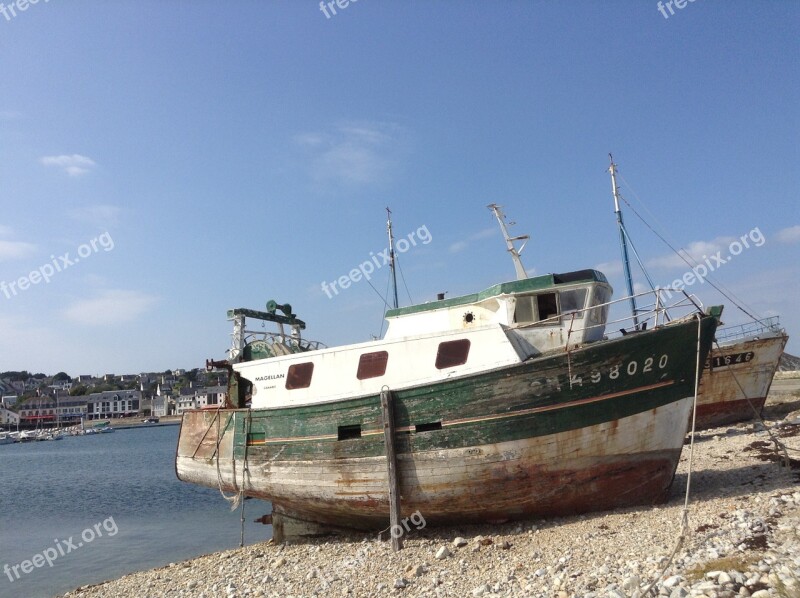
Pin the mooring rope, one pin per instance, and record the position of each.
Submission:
(779, 446)
(685, 512)
(244, 472)
(236, 498)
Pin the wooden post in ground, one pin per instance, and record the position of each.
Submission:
(387, 407)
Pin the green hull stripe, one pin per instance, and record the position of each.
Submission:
(260, 439)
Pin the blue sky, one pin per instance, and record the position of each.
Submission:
(237, 152)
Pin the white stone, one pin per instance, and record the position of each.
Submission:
(459, 542)
(631, 583)
(671, 582)
(442, 553)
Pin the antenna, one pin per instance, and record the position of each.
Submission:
(515, 253)
(391, 256)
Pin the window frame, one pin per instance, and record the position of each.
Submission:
(365, 371)
(440, 362)
(296, 380)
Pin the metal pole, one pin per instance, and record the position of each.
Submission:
(625, 261)
(391, 256)
(515, 253)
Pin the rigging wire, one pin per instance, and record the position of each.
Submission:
(403, 278)
(386, 305)
(638, 259)
(687, 259)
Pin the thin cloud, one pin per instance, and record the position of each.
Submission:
(14, 250)
(354, 154)
(74, 165)
(101, 215)
(697, 251)
(115, 306)
(10, 115)
(460, 246)
(485, 233)
(789, 235)
(610, 268)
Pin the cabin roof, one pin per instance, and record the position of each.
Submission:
(535, 283)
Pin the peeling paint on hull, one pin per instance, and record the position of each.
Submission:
(600, 428)
(596, 468)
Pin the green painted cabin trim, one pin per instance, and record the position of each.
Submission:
(536, 283)
(310, 432)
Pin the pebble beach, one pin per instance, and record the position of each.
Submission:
(741, 538)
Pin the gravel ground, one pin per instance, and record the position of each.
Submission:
(742, 539)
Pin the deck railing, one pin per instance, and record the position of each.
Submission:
(654, 308)
(765, 325)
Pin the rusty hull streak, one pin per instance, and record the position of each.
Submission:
(566, 473)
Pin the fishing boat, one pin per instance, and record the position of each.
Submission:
(508, 403)
(743, 359)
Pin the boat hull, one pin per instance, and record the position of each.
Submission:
(597, 428)
(737, 392)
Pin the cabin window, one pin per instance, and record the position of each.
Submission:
(573, 301)
(524, 312)
(452, 353)
(547, 305)
(349, 432)
(535, 308)
(372, 365)
(599, 314)
(299, 375)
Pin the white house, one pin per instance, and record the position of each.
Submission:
(8, 418)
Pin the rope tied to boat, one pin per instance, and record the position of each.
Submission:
(248, 422)
(779, 447)
(236, 498)
(684, 533)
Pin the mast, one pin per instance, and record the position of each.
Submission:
(391, 256)
(515, 253)
(622, 239)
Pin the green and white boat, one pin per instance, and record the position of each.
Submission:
(509, 403)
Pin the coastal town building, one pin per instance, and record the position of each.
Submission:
(163, 406)
(113, 403)
(71, 409)
(38, 410)
(8, 418)
(200, 398)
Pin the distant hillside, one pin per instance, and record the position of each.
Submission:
(788, 363)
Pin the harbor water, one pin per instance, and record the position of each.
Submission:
(97, 507)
